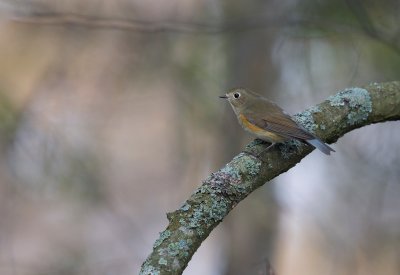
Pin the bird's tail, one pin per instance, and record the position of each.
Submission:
(317, 143)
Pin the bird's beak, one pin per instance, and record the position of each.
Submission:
(223, 96)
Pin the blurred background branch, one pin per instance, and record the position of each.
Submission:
(363, 24)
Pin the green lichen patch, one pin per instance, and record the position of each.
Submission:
(253, 148)
(231, 171)
(206, 213)
(240, 169)
(187, 231)
(176, 265)
(289, 148)
(163, 235)
(306, 118)
(234, 180)
(185, 207)
(174, 250)
(177, 248)
(247, 165)
(357, 99)
(376, 85)
(148, 269)
(221, 181)
(162, 261)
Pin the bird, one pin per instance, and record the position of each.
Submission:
(269, 122)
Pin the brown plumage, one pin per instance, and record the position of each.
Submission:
(268, 121)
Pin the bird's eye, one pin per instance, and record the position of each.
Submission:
(236, 95)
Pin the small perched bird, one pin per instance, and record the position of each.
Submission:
(268, 121)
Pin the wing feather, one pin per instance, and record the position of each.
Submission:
(277, 121)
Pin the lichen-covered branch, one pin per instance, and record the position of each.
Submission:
(190, 225)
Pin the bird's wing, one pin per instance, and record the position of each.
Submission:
(278, 122)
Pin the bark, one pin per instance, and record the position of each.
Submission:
(190, 225)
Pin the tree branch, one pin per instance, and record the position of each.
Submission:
(190, 225)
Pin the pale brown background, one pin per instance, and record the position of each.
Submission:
(103, 131)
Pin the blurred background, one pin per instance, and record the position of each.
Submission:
(110, 117)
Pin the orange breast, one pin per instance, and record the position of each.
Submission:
(259, 132)
(247, 124)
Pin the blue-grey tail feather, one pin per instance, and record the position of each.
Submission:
(324, 148)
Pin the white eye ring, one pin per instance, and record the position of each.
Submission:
(236, 95)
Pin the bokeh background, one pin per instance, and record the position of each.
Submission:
(110, 117)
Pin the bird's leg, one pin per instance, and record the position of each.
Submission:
(257, 155)
(266, 149)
